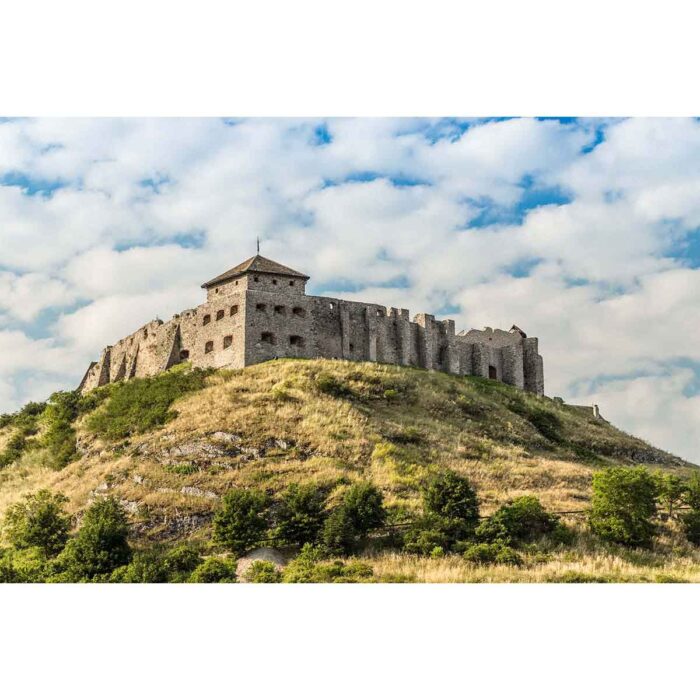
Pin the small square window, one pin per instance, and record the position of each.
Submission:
(280, 310)
(291, 283)
(267, 338)
(260, 307)
(274, 281)
(228, 339)
(208, 347)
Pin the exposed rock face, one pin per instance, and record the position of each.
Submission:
(274, 556)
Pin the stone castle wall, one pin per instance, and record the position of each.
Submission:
(258, 318)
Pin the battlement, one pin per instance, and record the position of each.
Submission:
(259, 310)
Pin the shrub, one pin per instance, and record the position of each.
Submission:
(452, 503)
(101, 543)
(623, 505)
(364, 503)
(39, 521)
(522, 520)
(140, 405)
(180, 562)
(690, 520)
(328, 384)
(241, 521)
(308, 567)
(671, 490)
(58, 417)
(492, 553)
(339, 534)
(263, 572)
(362, 510)
(427, 534)
(215, 570)
(23, 566)
(300, 514)
(146, 567)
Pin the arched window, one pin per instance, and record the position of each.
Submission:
(208, 346)
(206, 319)
(219, 314)
(228, 339)
(234, 309)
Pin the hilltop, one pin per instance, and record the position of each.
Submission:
(169, 447)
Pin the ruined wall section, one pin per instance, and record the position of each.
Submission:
(245, 322)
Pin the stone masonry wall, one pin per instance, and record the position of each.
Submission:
(263, 317)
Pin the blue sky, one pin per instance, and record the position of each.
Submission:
(585, 233)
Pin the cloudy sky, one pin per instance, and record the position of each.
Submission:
(586, 233)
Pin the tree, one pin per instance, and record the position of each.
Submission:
(242, 520)
(40, 521)
(691, 519)
(364, 504)
(671, 489)
(522, 520)
(623, 506)
(101, 543)
(300, 514)
(451, 503)
(361, 511)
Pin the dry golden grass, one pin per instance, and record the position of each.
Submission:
(388, 424)
(561, 568)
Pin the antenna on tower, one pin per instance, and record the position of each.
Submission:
(257, 242)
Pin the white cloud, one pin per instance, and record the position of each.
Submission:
(603, 294)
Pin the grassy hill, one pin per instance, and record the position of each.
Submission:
(169, 448)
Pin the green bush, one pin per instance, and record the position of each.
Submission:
(40, 521)
(101, 544)
(361, 511)
(263, 572)
(522, 520)
(215, 570)
(24, 566)
(451, 502)
(59, 436)
(328, 384)
(427, 534)
(146, 567)
(180, 562)
(308, 567)
(671, 490)
(140, 405)
(623, 506)
(690, 520)
(242, 520)
(300, 514)
(492, 553)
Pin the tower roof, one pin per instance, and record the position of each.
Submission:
(255, 264)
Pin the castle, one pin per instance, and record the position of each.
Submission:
(259, 311)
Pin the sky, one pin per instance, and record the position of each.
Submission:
(583, 232)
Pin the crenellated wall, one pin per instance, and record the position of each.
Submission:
(253, 319)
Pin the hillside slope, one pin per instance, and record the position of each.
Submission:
(332, 422)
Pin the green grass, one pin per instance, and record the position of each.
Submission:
(140, 405)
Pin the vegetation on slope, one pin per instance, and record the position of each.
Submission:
(423, 472)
